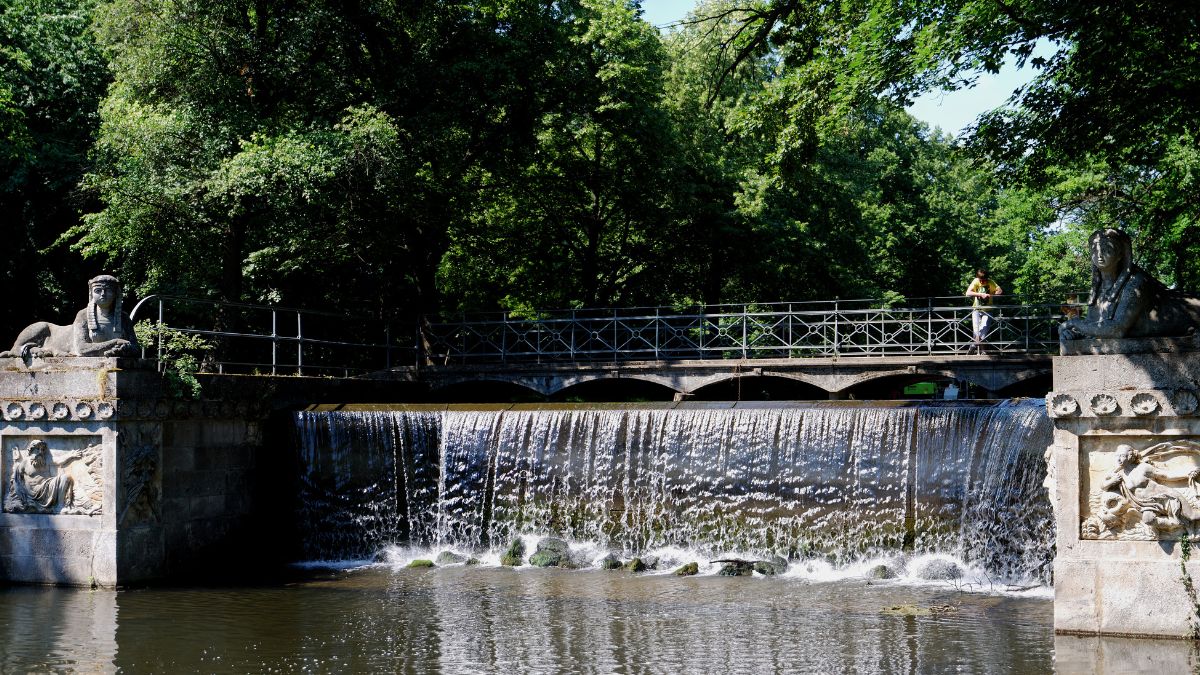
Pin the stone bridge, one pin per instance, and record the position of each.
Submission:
(811, 378)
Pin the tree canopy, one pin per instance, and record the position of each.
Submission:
(397, 159)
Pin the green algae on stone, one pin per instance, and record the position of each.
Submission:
(421, 563)
(551, 552)
(514, 555)
(690, 569)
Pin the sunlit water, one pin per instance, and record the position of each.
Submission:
(837, 482)
(490, 619)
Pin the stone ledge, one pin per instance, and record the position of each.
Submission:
(1155, 345)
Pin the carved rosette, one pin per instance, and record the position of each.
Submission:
(1118, 404)
(1185, 402)
(1104, 404)
(1144, 404)
(1062, 405)
(92, 410)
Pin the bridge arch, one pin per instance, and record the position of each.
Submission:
(486, 391)
(615, 389)
(756, 387)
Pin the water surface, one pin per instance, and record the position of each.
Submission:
(489, 619)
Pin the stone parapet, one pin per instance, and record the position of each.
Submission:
(135, 486)
(1123, 473)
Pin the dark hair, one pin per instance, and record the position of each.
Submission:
(981, 273)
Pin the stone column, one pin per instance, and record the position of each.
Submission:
(1123, 471)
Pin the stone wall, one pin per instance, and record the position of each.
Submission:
(1120, 517)
(174, 481)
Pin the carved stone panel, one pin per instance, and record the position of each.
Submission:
(140, 500)
(52, 474)
(1139, 488)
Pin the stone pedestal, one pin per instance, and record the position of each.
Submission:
(156, 484)
(1118, 565)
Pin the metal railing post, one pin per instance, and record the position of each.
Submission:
(274, 341)
(929, 326)
(836, 330)
(790, 338)
(745, 321)
(615, 350)
(299, 345)
(159, 334)
(657, 321)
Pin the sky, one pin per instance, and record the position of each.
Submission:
(949, 111)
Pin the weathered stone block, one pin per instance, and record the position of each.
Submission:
(1126, 446)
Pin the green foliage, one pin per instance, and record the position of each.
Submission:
(51, 79)
(180, 355)
(397, 158)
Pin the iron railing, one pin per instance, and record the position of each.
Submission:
(274, 340)
(261, 339)
(836, 329)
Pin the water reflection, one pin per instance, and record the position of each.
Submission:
(1095, 654)
(57, 630)
(494, 619)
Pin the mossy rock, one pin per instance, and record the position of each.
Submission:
(907, 610)
(735, 568)
(688, 570)
(514, 555)
(421, 563)
(650, 561)
(610, 562)
(940, 570)
(450, 558)
(770, 568)
(635, 565)
(471, 561)
(551, 552)
(881, 572)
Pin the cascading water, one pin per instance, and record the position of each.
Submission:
(835, 481)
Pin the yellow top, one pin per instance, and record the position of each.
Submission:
(979, 286)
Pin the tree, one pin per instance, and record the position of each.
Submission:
(51, 78)
(581, 219)
(1118, 92)
(310, 152)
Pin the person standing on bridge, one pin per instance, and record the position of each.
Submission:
(983, 290)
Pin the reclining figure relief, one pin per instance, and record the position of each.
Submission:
(1153, 493)
(1125, 301)
(100, 329)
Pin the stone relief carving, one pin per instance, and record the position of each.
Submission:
(1152, 494)
(100, 329)
(139, 479)
(45, 481)
(1125, 301)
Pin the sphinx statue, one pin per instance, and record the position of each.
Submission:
(100, 329)
(1125, 301)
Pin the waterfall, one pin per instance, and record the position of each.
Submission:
(839, 481)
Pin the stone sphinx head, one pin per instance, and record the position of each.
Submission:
(1112, 255)
(104, 295)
